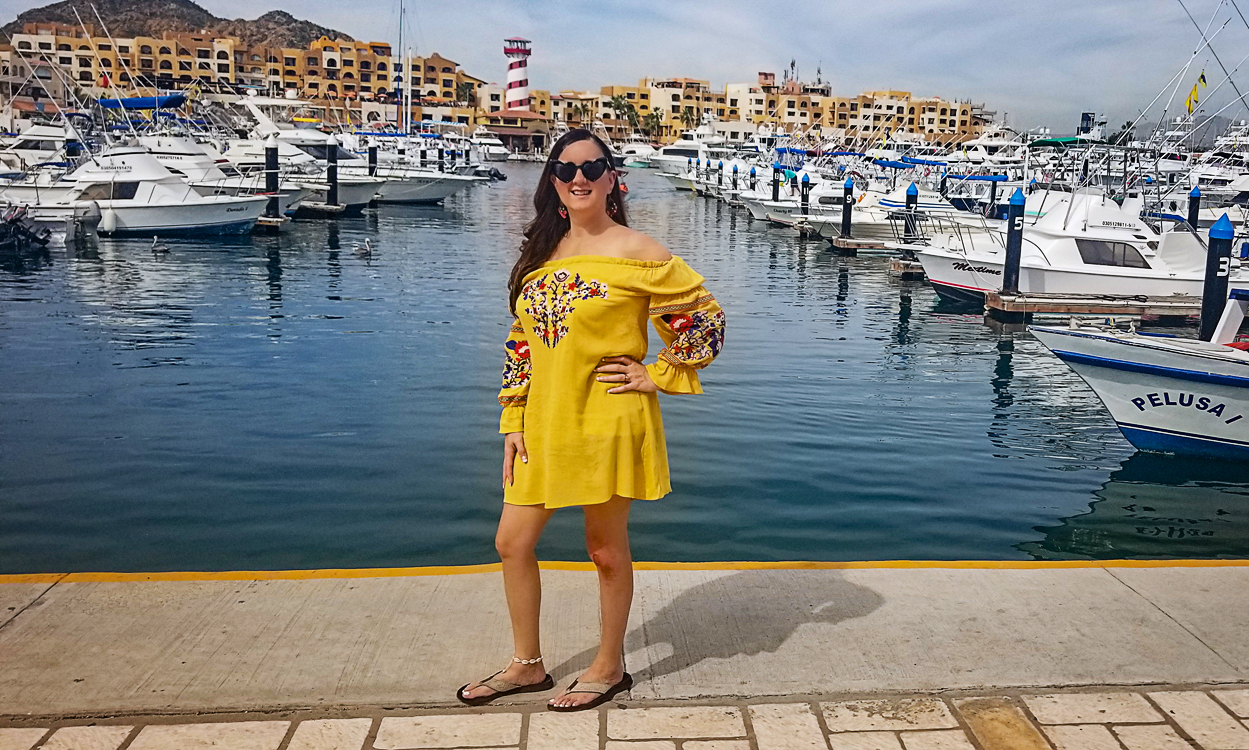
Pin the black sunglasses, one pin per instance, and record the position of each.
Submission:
(566, 171)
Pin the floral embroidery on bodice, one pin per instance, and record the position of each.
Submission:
(551, 297)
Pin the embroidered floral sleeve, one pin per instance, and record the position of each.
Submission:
(691, 325)
(516, 371)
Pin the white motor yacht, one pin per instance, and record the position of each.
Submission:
(215, 175)
(701, 143)
(136, 194)
(878, 216)
(488, 145)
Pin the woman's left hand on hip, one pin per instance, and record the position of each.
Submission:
(628, 372)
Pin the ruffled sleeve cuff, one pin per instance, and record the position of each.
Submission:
(512, 419)
(674, 379)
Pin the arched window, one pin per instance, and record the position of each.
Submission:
(83, 46)
(381, 66)
(184, 77)
(290, 73)
(125, 77)
(327, 49)
(272, 59)
(106, 63)
(166, 65)
(348, 74)
(223, 55)
(331, 63)
(381, 92)
(366, 65)
(165, 51)
(332, 89)
(146, 49)
(184, 52)
(64, 47)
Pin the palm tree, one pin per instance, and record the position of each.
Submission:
(651, 122)
(689, 118)
(466, 92)
(582, 112)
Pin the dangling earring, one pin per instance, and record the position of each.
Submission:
(612, 208)
(563, 212)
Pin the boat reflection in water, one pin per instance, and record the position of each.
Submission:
(1157, 506)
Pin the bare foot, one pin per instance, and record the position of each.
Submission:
(609, 676)
(520, 674)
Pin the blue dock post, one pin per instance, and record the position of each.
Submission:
(734, 178)
(1014, 243)
(689, 164)
(372, 159)
(331, 170)
(271, 176)
(754, 181)
(776, 182)
(1218, 267)
(1194, 209)
(806, 194)
(847, 205)
(910, 218)
(1032, 186)
(720, 174)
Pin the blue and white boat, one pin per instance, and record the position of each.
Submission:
(1167, 394)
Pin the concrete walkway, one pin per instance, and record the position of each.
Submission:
(101, 645)
(1101, 720)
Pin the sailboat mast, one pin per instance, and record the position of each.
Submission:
(402, 118)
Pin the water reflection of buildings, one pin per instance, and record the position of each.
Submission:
(1160, 507)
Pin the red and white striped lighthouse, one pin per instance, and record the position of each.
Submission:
(517, 94)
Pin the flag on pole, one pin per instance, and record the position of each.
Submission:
(1202, 79)
(1192, 99)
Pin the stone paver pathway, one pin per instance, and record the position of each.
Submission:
(1110, 719)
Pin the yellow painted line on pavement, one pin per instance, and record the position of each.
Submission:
(447, 570)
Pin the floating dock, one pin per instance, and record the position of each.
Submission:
(906, 269)
(1020, 307)
(850, 246)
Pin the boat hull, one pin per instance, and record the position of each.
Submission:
(1162, 401)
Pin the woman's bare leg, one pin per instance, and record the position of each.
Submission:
(520, 527)
(607, 541)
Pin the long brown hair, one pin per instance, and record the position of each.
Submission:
(543, 234)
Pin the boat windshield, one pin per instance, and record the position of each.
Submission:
(320, 151)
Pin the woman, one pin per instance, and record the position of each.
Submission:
(580, 409)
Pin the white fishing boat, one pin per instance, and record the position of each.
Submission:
(136, 194)
(212, 174)
(1078, 243)
(879, 216)
(1166, 394)
(700, 143)
(636, 151)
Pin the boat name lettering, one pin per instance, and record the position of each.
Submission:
(961, 266)
(235, 210)
(1200, 403)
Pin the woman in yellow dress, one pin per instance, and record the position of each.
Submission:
(580, 410)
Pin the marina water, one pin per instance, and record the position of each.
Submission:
(295, 402)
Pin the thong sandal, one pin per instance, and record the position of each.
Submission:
(603, 690)
(502, 688)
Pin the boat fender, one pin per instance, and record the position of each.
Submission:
(108, 221)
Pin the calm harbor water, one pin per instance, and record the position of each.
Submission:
(283, 402)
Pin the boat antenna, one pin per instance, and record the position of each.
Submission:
(112, 83)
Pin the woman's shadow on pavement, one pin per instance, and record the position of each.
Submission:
(745, 613)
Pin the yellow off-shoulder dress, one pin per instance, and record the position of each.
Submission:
(585, 444)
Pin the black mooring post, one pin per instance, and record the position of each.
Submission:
(806, 194)
(734, 178)
(909, 217)
(331, 170)
(754, 181)
(1218, 268)
(372, 159)
(442, 160)
(720, 174)
(1194, 208)
(271, 176)
(1014, 242)
(847, 205)
(992, 209)
(424, 157)
(776, 183)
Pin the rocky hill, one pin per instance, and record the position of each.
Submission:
(129, 18)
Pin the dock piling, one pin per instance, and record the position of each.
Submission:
(1218, 267)
(720, 174)
(806, 194)
(776, 182)
(847, 206)
(910, 219)
(1194, 207)
(372, 159)
(734, 178)
(754, 182)
(442, 160)
(271, 176)
(331, 170)
(1014, 243)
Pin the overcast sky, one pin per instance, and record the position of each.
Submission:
(1042, 61)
